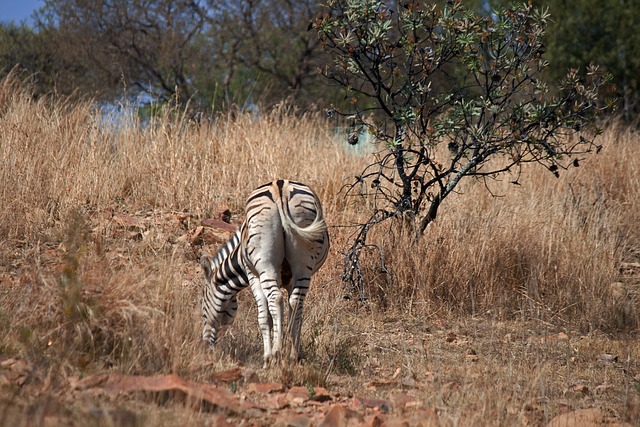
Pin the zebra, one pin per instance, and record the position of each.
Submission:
(282, 242)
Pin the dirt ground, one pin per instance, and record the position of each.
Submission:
(473, 373)
(365, 367)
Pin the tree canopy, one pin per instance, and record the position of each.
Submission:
(245, 52)
(208, 53)
(604, 32)
(450, 94)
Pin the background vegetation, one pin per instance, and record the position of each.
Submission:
(249, 53)
(102, 229)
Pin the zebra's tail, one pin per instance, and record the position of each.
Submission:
(311, 233)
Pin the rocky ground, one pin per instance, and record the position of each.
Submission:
(409, 371)
(238, 397)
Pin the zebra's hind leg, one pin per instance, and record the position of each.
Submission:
(296, 303)
(264, 317)
(275, 302)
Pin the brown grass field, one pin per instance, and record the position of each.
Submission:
(518, 306)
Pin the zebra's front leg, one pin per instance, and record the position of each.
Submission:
(216, 326)
(209, 334)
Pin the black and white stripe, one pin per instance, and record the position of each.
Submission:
(281, 243)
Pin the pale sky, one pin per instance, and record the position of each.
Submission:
(18, 10)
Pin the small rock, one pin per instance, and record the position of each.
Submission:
(429, 376)
(339, 416)
(222, 421)
(218, 224)
(211, 237)
(265, 388)
(607, 358)
(360, 403)
(396, 373)
(277, 401)
(563, 406)
(228, 376)
(15, 371)
(320, 394)
(336, 417)
(580, 388)
(92, 381)
(513, 409)
(298, 395)
(293, 421)
(602, 388)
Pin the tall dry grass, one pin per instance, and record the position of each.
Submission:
(61, 155)
(87, 295)
(549, 249)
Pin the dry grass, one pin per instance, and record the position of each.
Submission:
(94, 274)
(548, 249)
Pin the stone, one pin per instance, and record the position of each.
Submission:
(265, 388)
(341, 416)
(360, 403)
(607, 358)
(298, 395)
(320, 394)
(336, 417)
(293, 421)
(228, 376)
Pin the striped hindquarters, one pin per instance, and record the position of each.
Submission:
(298, 207)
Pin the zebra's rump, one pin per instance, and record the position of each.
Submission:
(297, 206)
